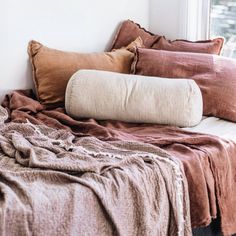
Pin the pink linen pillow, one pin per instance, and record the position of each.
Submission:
(129, 31)
(215, 75)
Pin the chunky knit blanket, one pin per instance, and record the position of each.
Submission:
(53, 183)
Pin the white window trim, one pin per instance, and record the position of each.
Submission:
(195, 18)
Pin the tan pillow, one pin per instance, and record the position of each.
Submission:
(53, 68)
(129, 31)
(137, 43)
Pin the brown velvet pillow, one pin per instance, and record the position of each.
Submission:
(215, 75)
(129, 31)
(53, 68)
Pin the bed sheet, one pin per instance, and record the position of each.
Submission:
(215, 126)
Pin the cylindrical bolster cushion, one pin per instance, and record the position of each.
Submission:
(133, 98)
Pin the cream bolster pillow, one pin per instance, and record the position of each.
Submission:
(133, 98)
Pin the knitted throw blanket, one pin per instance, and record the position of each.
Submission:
(52, 183)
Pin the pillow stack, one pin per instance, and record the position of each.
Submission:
(147, 54)
(129, 31)
(200, 61)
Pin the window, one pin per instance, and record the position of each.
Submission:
(202, 19)
(195, 19)
(223, 23)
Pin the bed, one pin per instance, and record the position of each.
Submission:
(195, 147)
(215, 126)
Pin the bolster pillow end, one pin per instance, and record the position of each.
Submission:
(133, 98)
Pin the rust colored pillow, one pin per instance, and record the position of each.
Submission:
(212, 46)
(53, 68)
(129, 31)
(215, 75)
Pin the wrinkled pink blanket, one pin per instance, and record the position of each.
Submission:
(209, 162)
(52, 183)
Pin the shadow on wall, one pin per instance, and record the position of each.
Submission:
(26, 78)
(29, 75)
(3, 93)
(112, 38)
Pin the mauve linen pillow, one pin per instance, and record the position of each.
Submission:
(212, 46)
(129, 31)
(53, 68)
(215, 75)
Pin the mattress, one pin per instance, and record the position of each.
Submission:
(215, 126)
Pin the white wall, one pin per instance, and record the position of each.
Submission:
(168, 17)
(81, 25)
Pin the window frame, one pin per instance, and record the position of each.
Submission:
(195, 16)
